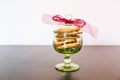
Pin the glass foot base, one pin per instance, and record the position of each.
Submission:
(60, 67)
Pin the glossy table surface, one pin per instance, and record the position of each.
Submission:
(37, 63)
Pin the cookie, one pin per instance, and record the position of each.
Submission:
(70, 45)
(67, 37)
(67, 30)
(65, 41)
(75, 32)
(67, 34)
(60, 39)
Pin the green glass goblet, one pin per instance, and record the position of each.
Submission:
(68, 41)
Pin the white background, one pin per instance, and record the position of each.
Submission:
(20, 20)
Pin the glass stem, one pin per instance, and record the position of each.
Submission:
(67, 61)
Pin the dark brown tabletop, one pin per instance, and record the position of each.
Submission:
(37, 63)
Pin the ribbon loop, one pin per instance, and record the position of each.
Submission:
(57, 18)
(79, 22)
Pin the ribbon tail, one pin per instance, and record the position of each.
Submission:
(47, 18)
(93, 31)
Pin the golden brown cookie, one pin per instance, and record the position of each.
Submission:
(75, 32)
(68, 36)
(59, 43)
(66, 30)
(72, 34)
(60, 39)
(70, 40)
(60, 35)
(70, 45)
(65, 41)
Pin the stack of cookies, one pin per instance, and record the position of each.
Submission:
(67, 37)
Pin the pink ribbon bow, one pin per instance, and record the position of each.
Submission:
(77, 22)
(85, 27)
